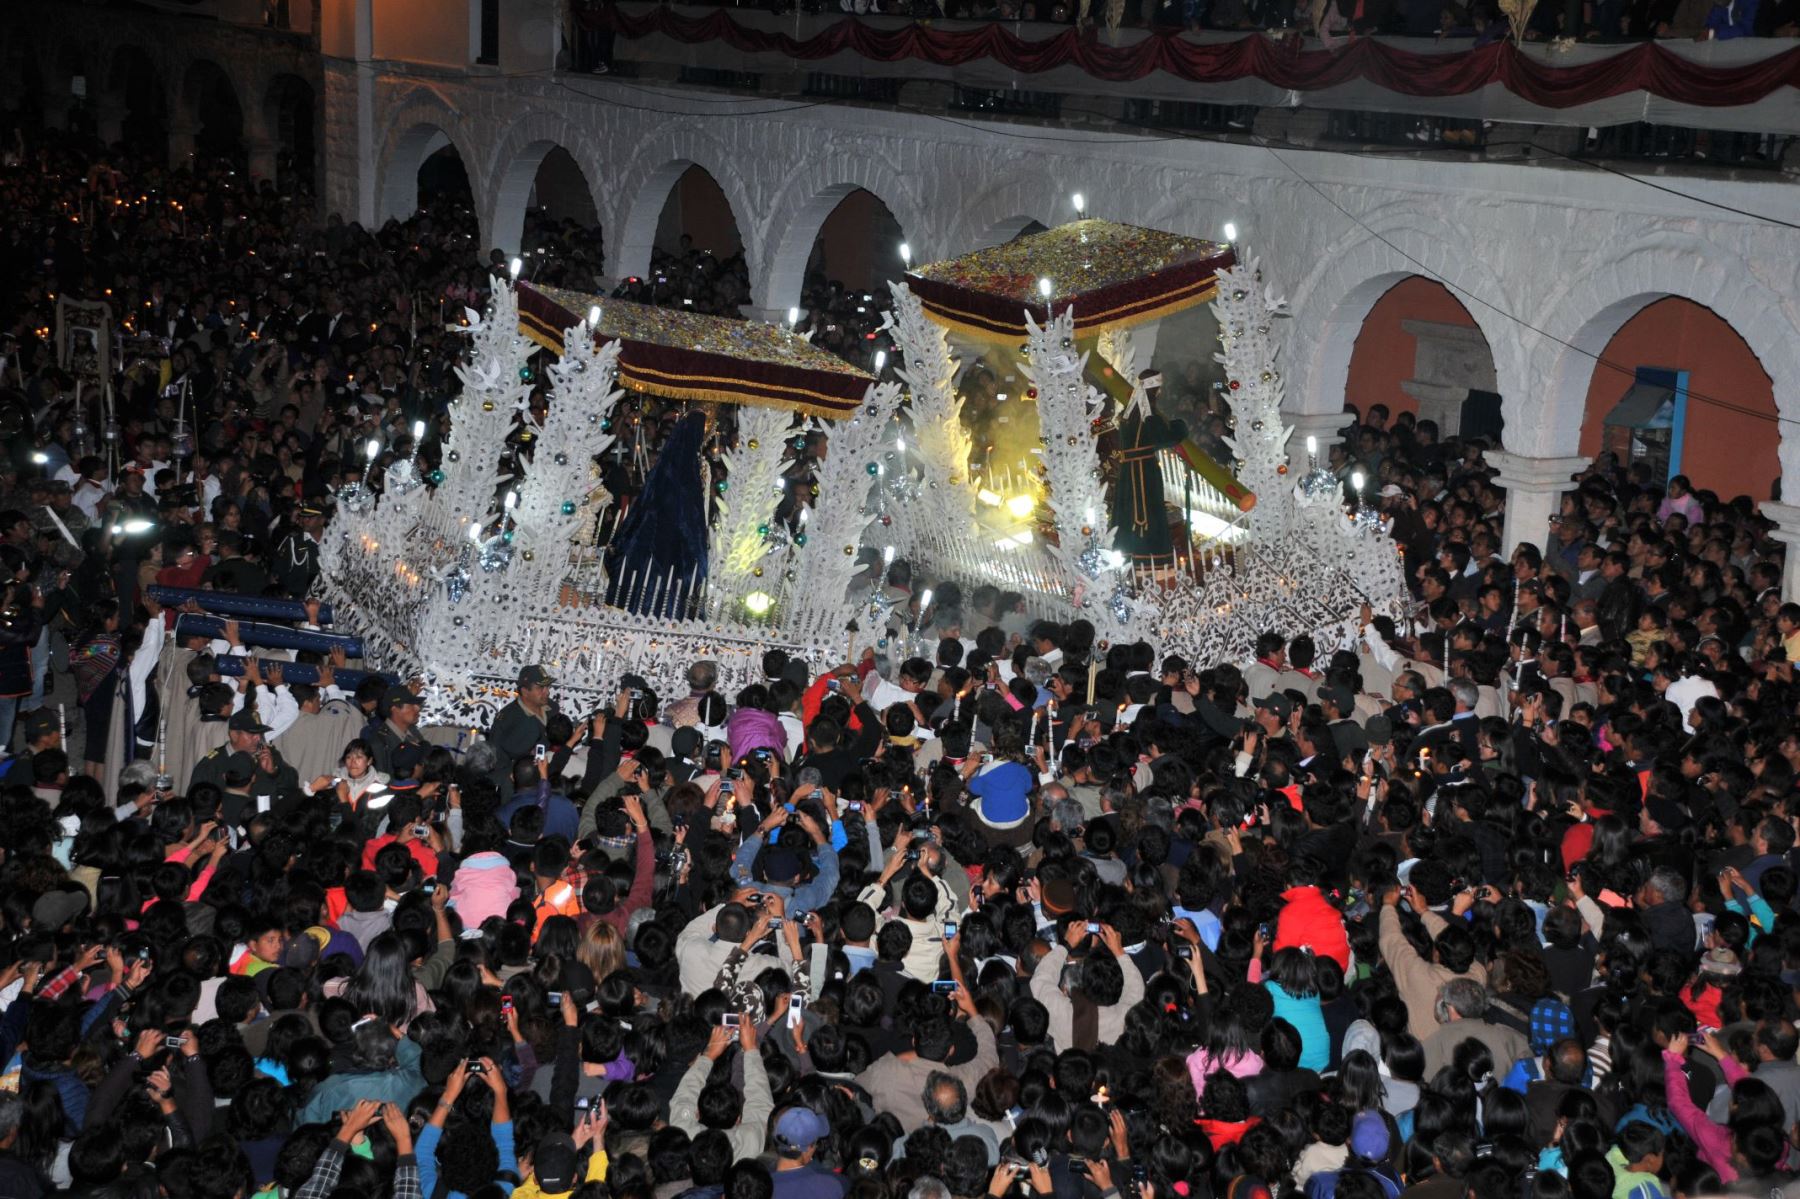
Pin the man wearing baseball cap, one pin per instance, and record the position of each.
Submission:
(519, 728)
(245, 750)
(795, 1139)
(400, 728)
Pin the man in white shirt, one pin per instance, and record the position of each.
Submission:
(911, 678)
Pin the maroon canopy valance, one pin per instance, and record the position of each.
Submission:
(1284, 62)
(690, 356)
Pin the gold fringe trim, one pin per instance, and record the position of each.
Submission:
(634, 379)
(965, 322)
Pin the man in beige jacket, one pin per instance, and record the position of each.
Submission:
(1453, 953)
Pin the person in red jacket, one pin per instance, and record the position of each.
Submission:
(1309, 919)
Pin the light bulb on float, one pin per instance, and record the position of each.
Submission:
(880, 361)
(1021, 506)
(594, 317)
(515, 266)
(793, 317)
(1357, 479)
(758, 603)
(905, 254)
(1231, 231)
(1080, 202)
(1045, 287)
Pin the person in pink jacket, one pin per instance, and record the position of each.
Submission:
(753, 726)
(484, 885)
(1712, 1140)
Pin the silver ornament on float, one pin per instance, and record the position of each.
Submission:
(496, 553)
(356, 498)
(456, 585)
(402, 478)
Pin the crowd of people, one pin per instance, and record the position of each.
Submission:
(1493, 901)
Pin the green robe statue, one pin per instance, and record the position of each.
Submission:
(1139, 514)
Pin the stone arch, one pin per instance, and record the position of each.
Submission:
(1352, 278)
(660, 162)
(792, 243)
(290, 124)
(212, 106)
(1026, 196)
(513, 172)
(414, 133)
(1603, 294)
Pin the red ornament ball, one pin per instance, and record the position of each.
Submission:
(1235, 385)
(1281, 469)
(1031, 393)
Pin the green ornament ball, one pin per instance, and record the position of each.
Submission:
(435, 477)
(568, 507)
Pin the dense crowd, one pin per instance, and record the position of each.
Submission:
(1493, 901)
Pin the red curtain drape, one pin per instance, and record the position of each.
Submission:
(1282, 63)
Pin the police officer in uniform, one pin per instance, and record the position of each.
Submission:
(296, 559)
(518, 728)
(245, 749)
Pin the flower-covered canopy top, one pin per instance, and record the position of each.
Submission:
(690, 356)
(1113, 275)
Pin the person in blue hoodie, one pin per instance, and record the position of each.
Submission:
(469, 1162)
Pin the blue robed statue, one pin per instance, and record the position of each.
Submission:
(656, 561)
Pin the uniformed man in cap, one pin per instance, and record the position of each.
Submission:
(519, 728)
(42, 732)
(59, 515)
(296, 559)
(245, 748)
(400, 728)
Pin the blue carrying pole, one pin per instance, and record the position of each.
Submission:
(238, 607)
(269, 636)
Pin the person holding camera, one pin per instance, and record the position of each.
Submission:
(702, 1101)
(518, 728)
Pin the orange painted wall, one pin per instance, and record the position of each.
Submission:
(1730, 452)
(1383, 356)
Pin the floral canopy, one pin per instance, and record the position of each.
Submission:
(1113, 275)
(690, 356)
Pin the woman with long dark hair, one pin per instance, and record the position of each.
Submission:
(384, 983)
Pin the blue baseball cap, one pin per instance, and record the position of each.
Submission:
(798, 1128)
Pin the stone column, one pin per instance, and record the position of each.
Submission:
(1323, 427)
(181, 142)
(1787, 531)
(1534, 488)
(57, 103)
(260, 157)
(109, 119)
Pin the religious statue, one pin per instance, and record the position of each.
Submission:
(1139, 513)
